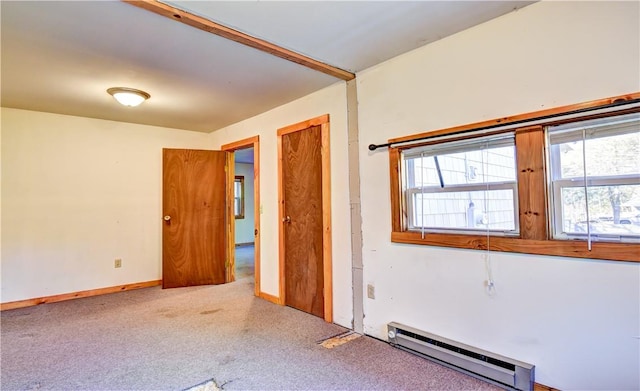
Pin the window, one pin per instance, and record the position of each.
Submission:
(609, 183)
(520, 184)
(462, 186)
(238, 197)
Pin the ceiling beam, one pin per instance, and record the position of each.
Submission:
(240, 37)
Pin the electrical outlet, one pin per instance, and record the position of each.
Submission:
(371, 291)
(117, 263)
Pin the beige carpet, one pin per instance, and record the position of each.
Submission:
(174, 339)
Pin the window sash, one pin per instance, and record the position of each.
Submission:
(557, 215)
(599, 181)
(581, 132)
(596, 128)
(412, 226)
(448, 147)
(465, 187)
(444, 148)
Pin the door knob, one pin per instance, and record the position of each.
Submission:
(286, 220)
(167, 218)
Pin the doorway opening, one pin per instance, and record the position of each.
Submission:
(244, 229)
(243, 203)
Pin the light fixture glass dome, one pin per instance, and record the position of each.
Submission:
(128, 96)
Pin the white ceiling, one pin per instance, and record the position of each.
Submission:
(61, 57)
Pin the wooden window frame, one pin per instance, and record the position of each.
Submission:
(535, 234)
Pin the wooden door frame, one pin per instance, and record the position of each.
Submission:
(323, 122)
(251, 142)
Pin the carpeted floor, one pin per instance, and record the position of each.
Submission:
(154, 339)
(244, 258)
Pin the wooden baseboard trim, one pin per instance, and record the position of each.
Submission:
(77, 295)
(542, 387)
(271, 298)
(245, 244)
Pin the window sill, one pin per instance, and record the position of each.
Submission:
(628, 252)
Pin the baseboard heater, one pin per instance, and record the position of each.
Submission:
(494, 368)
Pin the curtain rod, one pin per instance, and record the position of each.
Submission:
(614, 106)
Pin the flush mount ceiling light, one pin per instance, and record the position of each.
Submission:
(128, 96)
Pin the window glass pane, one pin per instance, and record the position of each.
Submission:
(482, 210)
(237, 206)
(471, 167)
(606, 156)
(595, 128)
(613, 210)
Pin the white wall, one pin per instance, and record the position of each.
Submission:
(332, 101)
(245, 227)
(78, 193)
(576, 320)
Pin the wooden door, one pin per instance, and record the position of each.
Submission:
(302, 220)
(194, 241)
